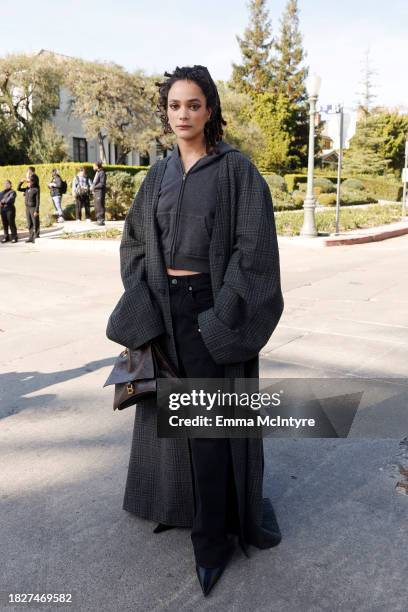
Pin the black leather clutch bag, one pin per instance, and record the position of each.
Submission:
(135, 374)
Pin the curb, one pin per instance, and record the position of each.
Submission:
(360, 236)
(375, 236)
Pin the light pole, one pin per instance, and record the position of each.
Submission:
(339, 109)
(405, 179)
(309, 205)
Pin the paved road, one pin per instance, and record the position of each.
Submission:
(64, 453)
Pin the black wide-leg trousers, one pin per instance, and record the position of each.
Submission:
(215, 512)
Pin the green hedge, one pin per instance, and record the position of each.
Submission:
(294, 180)
(381, 189)
(378, 188)
(67, 170)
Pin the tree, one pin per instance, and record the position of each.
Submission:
(366, 153)
(47, 145)
(289, 75)
(392, 129)
(272, 113)
(112, 104)
(241, 129)
(289, 79)
(274, 67)
(29, 92)
(10, 149)
(366, 93)
(253, 75)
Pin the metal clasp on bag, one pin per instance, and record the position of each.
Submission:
(130, 388)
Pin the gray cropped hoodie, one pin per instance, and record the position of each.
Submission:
(186, 209)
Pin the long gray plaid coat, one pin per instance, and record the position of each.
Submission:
(248, 303)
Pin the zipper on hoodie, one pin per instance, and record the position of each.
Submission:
(178, 207)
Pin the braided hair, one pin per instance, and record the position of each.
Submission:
(213, 130)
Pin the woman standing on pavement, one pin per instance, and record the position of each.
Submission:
(200, 267)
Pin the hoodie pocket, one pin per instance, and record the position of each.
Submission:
(193, 235)
(166, 225)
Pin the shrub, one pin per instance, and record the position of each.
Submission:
(284, 201)
(379, 188)
(353, 184)
(120, 194)
(327, 199)
(317, 190)
(349, 196)
(324, 184)
(298, 198)
(138, 179)
(276, 182)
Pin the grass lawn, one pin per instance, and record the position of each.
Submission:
(289, 223)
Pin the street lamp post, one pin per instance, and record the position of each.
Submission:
(339, 109)
(309, 205)
(405, 179)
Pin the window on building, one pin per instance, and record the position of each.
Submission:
(159, 151)
(144, 159)
(80, 149)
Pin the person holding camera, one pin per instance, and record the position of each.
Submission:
(32, 203)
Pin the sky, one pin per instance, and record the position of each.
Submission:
(160, 35)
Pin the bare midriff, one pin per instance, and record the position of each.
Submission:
(174, 272)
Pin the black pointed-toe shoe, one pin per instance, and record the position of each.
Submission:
(161, 527)
(208, 576)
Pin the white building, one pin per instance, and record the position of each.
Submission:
(82, 149)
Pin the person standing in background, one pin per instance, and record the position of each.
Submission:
(99, 190)
(81, 188)
(8, 212)
(56, 191)
(32, 202)
(35, 181)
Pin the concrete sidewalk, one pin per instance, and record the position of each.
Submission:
(65, 453)
(357, 236)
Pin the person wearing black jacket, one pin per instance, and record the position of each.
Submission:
(34, 177)
(99, 190)
(32, 203)
(31, 175)
(199, 261)
(8, 212)
(55, 187)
